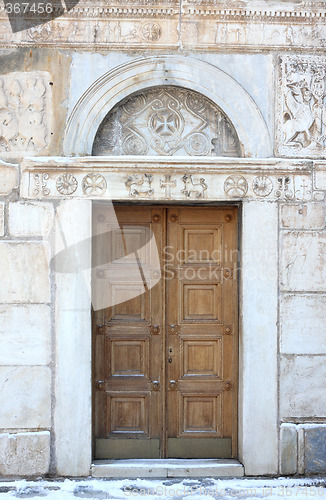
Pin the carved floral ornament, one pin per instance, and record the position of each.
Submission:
(167, 121)
(284, 187)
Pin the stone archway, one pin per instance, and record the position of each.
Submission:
(146, 73)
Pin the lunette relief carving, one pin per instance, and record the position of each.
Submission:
(302, 106)
(25, 107)
(167, 121)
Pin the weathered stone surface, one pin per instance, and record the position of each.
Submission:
(2, 214)
(25, 334)
(303, 324)
(24, 272)
(26, 112)
(25, 397)
(289, 449)
(307, 216)
(25, 453)
(300, 98)
(149, 136)
(73, 346)
(303, 261)
(302, 386)
(320, 175)
(8, 177)
(258, 344)
(315, 446)
(30, 218)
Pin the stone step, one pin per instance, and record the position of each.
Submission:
(167, 468)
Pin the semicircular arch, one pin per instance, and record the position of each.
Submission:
(127, 79)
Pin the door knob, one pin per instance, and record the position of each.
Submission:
(172, 385)
(100, 385)
(173, 329)
(155, 385)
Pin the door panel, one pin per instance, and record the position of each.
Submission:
(165, 356)
(128, 348)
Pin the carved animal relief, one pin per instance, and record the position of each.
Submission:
(194, 188)
(25, 107)
(139, 185)
(302, 106)
(167, 121)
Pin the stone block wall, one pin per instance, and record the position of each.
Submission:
(26, 360)
(302, 341)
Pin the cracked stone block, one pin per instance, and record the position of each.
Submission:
(25, 453)
(24, 272)
(289, 449)
(302, 387)
(25, 397)
(303, 261)
(302, 324)
(307, 216)
(30, 218)
(315, 450)
(25, 334)
(2, 217)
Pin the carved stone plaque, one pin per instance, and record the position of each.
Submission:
(167, 121)
(25, 112)
(301, 124)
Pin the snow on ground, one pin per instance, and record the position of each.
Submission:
(167, 488)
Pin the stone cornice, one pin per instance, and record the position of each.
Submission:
(163, 179)
(236, 11)
(167, 25)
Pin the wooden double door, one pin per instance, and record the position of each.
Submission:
(165, 332)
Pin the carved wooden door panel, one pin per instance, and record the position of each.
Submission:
(128, 337)
(201, 326)
(165, 361)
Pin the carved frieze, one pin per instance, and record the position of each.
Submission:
(169, 23)
(301, 120)
(167, 121)
(25, 113)
(196, 180)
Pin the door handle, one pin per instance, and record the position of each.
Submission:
(173, 329)
(100, 385)
(173, 385)
(155, 330)
(155, 385)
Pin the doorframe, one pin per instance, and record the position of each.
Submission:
(258, 299)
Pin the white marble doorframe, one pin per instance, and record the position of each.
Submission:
(258, 435)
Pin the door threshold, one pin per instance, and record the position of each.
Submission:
(171, 467)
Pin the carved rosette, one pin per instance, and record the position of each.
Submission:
(151, 31)
(262, 186)
(66, 184)
(94, 184)
(236, 186)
